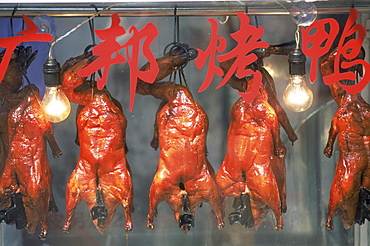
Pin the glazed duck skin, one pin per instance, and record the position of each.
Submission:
(252, 137)
(71, 80)
(10, 95)
(352, 162)
(27, 167)
(351, 124)
(102, 164)
(269, 84)
(180, 130)
(183, 169)
(167, 65)
(278, 167)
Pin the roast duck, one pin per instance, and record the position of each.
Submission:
(27, 171)
(10, 95)
(247, 171)
(102, 175)
(267, 81)
(184, 177)
(350, 191)
(251, 172)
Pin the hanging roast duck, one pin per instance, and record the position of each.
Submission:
(184, 177)
(247, 170)
(350, 191)
(27, 171)
(102, 175)
(243, 151)
(10, 95)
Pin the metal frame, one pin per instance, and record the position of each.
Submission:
(165, 8)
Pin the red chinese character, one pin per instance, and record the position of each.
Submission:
(29, 35)
(350, 51)
(216, 44)
(107, 52)
(321, 41)
(149, 33)
(248, 39)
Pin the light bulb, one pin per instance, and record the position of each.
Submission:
(303, 13)
(55, 104)
(45, 23)
(297, 96)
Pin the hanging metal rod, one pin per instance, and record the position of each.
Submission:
(183, 8)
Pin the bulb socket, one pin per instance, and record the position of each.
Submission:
(297, 62)
(51, 72)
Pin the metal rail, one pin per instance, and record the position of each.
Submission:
(190, 8)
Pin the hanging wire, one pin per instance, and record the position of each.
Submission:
(256, 21)
(74, 29)
(92, 33)
(92, 27)
(183, 76)
(282, 6)
(296, 36)
(174, 48)
(176, 32)
(175, 43)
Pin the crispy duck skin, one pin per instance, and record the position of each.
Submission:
(247, 167)
(277, 162)
(183, 168)
(71, 80)
(327, 68)
(78, 89)
(102, 164)
(351, 124)
(278, 167)
(352, 161)
(167, 65)
(10, 95)
(27, 167)
(180, 130)
(365, 121)
(268, 82)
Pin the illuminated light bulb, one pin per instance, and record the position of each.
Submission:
(45, 23)
(297, 96)
(55, 103)
(303, 13)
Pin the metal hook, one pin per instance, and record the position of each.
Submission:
(96, 8)
(256, 21)
(92, 27)
(11, 20)
(183, 76)
(224, 21)
(92, 33)
(92, 24)
(176, 37)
